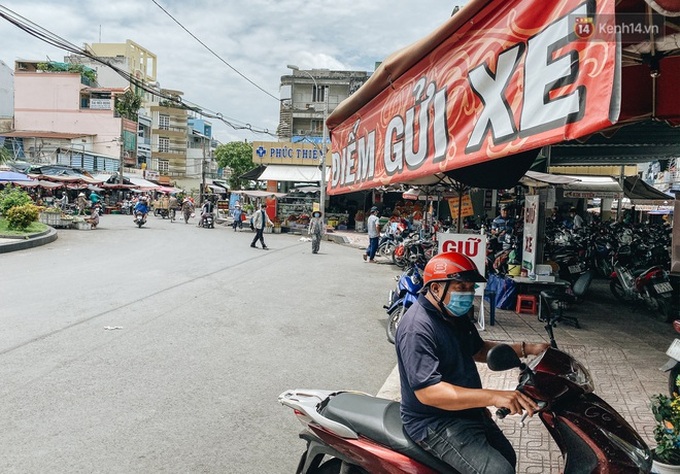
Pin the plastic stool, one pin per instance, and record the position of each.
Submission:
(527, 304)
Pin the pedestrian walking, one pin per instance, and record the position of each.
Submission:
(81, 203)
(238, 220)
(373, 225)
(260, 220)
(316, 230)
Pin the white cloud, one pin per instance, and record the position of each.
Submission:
(258, 38)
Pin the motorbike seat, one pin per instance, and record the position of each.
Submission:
(379, 420)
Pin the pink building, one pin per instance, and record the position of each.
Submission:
(63, 102)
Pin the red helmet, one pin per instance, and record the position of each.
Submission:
(451, 266)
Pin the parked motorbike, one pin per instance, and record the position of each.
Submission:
(140, 219)
(160, 212)
(358, 433)
(650, 286)
(673, 364)
(207, 221)
(409, 284)
(390, 239)
(413, 249)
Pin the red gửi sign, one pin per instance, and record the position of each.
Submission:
(522, 75)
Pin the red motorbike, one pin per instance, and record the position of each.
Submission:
(353, 432)
(650, 286)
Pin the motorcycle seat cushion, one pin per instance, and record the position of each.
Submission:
(379, 420)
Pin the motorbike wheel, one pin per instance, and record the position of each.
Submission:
(387, 249)
(393, 322)
(673, 385)
(664, 310)
(617, 290)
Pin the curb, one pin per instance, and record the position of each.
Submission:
(338, 239)
(35, 240)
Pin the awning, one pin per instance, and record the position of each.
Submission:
(636, 189)
(293, 173)
(253, 174)
(632, 144)
(13, 176)
(256, 193)
(143, 184)
(588, 187)
(536, 179)
(217, 189)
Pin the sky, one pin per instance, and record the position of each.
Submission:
(259, 38)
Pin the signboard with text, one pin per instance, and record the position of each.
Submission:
(530, 239)
(466, 209)
(472, 245)
(286, 153)
(522, 75)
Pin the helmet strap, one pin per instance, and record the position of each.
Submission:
(440, 301)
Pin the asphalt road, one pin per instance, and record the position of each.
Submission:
(206, 333)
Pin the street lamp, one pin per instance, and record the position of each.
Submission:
(322, 194)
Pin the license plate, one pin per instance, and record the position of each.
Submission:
(664, 287)
(574, 268)
(674, 350)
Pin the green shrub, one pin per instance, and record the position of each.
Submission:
(20, 217)
(11, 197)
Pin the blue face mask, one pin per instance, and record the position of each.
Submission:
(460, 303)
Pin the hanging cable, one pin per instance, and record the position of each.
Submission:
(213, 52)
(45, 35)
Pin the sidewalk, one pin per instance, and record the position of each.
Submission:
(623, 348)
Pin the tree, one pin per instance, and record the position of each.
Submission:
(128, 105)
(237, 156)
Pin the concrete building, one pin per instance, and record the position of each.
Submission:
(303, 99)
(166, 141)
(58, 106)
(6, 97)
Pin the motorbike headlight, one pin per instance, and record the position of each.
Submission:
(580, 376)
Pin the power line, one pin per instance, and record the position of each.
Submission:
(47, 36)
(213, 52)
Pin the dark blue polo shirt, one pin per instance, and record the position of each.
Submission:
(433, 348)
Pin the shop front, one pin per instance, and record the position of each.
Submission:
(294, 169)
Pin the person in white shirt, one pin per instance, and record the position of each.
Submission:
(260, 220)
(577, 221)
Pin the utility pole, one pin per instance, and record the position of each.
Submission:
(203, 173)
(122, 150)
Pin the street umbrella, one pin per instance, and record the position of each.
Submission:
(13, 176)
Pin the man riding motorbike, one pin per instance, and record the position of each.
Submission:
(206, 211)
(443, 404)
(142, 206)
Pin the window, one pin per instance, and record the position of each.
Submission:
(163, 166)
(163, 122)
(318, 93)
(163, 145)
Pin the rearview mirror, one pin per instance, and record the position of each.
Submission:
(502, 357)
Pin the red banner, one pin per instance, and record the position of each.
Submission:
(517, 76)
